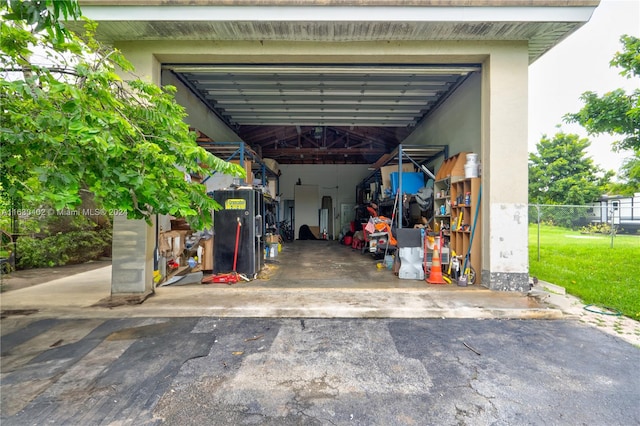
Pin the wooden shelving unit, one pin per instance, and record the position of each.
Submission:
(442, 206)
(464, 205)
(452, 167)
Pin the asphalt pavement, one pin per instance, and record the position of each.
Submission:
(305, 371)
(316, 346)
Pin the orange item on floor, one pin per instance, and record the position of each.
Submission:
(385, 227)
(435, 276)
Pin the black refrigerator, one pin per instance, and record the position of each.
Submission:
(243, 206)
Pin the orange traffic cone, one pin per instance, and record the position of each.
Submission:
(435, 276)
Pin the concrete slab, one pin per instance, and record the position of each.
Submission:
(75, 291)
(386, 297)
(312, 279)
(572, 307)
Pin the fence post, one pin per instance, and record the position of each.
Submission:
(612, 211)
(538, 209)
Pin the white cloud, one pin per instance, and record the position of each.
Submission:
(578, 64)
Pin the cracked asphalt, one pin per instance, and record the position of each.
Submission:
(195, 371)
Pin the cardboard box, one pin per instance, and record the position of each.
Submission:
(247, 168)
(386, 175)
(272, 185)
(272, 239)
(207, 255)
(315, 230)
(272, 165)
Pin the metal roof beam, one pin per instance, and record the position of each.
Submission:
(318, 92)
(326, 85)
(237, 111)
(327, 122)
(334, 70)
(370, 78)
(333, 100)
(293, 115)
(334, 151)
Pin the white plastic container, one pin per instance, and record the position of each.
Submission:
(472, 158)
(471, 170)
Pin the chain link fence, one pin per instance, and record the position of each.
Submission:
(598, 222)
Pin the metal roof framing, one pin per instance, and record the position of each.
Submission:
(322, 95)
(361, 110)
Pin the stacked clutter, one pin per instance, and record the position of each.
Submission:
(272, 246)
(472, 166)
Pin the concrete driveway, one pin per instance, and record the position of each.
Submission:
(317, 279)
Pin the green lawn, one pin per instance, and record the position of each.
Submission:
(588, 267)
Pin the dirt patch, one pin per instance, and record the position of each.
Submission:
(30, 277)
(13, 312)
(124, 300)
(267, 271)
(134, 333)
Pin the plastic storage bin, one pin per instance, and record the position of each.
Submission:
(411, 182)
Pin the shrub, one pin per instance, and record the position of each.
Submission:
(596, 228)
(62, 248)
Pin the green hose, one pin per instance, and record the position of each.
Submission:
(603, 310)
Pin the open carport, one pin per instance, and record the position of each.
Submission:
(371, 75)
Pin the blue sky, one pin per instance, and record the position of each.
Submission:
(580, 63)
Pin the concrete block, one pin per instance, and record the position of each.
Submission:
(411, 263)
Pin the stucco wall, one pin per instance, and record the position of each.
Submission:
(505, 261)
(457, 122)
(199, 117)
(502, 123)
(337, 181)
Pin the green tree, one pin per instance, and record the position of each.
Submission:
(71, 125)
(630, 175)
(618, 113)
(561, 173)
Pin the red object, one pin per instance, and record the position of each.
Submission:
(425, 267)
(347, 240)
(235, 252)
(222, 279)
(232, 277)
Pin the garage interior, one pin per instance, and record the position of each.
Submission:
(350, 68)
(291, 117)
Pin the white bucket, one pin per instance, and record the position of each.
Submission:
(471, 170)
(472, 158)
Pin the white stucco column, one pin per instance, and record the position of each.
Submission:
(505, 264)
(132, 264)
(134, 241)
